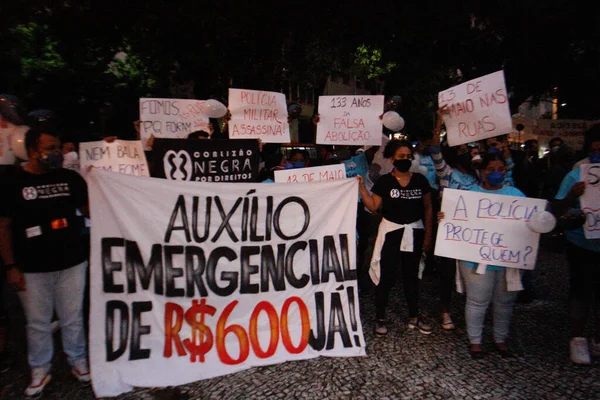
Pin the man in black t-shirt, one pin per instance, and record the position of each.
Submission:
(45, 259)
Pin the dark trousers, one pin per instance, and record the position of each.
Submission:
(447, 281)
(584, 281)
(394, 263)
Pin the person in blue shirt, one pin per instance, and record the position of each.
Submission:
(491, 286)
(583, 257)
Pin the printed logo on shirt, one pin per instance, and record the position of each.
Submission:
(29, 193)
(394, 193)
(410, 194)
(177, 165)
(46, 191)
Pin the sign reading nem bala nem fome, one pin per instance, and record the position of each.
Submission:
(192, 280)
(260, 115)
(478, 109)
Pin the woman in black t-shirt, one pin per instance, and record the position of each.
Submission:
(404, 233)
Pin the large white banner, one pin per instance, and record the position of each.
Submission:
(350, 120)
(311, 174)
(590, 201)
(122, 156)
(478, 109)
(171, 118)
(194, 280)
(488, 228)
(260, 115)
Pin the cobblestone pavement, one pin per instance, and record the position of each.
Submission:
(403, 365)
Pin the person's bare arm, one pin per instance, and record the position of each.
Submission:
(14, 275)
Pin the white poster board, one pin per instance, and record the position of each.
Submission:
(478, 109)
(311, 174)
(488, 229)
(590, 201)
(122, 156)
(260, 115)
(350, 120)
(6, 155)
(171, 118)
(193, 280)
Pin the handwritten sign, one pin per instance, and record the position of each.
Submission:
(311, 174)
(171, 118)
(350, 120)
(122, 156)
(590, 201)
(258, 115)
(478, 109)
(488, 228)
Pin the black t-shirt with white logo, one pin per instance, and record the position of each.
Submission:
(46, 231)
(402, 205)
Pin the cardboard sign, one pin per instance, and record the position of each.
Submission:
(258, 115)
(191, 281)
(590, 201)
(488, 229)
(206, 160)
(478, 109)
(171, 118)
(311, 174)
(122, 156)
(350, 120)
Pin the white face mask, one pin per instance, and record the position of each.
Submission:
(71, 157)
(476, 158)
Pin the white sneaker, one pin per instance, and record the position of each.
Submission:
(594, 348)
(40, 377)
(579, 351)
(81, 370)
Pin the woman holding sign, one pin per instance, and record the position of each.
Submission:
(489, 283)
(405, 232)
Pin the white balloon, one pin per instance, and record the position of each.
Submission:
(423, 170)
(17, 143)
(542, 222)
(213, 108)
(393, 121)
(414, 166)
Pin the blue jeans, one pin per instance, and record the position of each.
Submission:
(481, 290)
(45, 292)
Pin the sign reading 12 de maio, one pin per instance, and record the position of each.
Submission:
(171, 118)
(488, 229)
(122, 156)
(206, 160)
(221, 278)
(258, 115)
(478, 109)
(311, 174)
(590, 201)
(350, 120)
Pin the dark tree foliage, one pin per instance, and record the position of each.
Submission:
(210, 46)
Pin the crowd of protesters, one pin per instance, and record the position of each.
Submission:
(44, 239)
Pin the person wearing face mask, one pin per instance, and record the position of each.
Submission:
(44, 254)
(405, 233)
(499, 145)
(485, 284)
(583, 257)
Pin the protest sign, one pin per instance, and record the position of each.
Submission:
(311, 174)
(122, 156)
(258, 115)
(478, 109)
(171, 118)
(221, 278)
(206, 160)
(350, 120)
(488, 228)
(590, 200)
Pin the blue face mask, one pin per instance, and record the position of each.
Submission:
(495, 178)
(297, 164)
(493, 150)
(595, 158)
